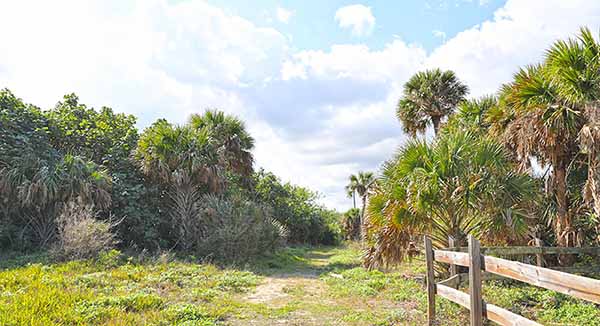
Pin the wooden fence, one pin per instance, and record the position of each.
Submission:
(485, 266)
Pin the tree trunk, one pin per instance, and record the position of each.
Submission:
(592, 186)
(436, 120)
(363, 225)
(589, 141)
(185, 212)
(562, 224)
(354, 199)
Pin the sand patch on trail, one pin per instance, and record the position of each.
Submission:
(271, 290)
(278, 288)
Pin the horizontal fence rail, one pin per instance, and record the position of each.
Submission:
(526, 250)
(484, 267)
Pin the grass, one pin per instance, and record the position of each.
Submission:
(295, 286)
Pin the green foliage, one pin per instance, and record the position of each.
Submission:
(351, 224)
(87, 293)
(233, 229)
(230, 135)
(296, 208)
(155, 183)
(458, 185)
(428, 97)
(360, 185)
(547, 307)
(125, 291)
(24, 130)
(35, 179)
(102, 136)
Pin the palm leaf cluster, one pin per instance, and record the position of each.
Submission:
(458, 185)
(429, 97)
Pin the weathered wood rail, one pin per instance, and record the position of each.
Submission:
(482, 266)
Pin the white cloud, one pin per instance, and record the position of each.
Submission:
(358, 18)
(317, 115)
(488, 54)
(283, 15)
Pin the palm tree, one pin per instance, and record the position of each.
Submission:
(232, 138)
(460, 184)
(361, 184)
(574, 66)
(551, 109)
(184, 160)
(193, 159)
(351, 223)
(472, 114)
(429, 96)
(351, 192)
(36, 189)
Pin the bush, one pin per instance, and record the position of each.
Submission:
(298, 210)
(81, 235)
(235, 229)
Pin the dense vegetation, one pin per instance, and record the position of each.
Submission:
(507, 168)
(189, 187)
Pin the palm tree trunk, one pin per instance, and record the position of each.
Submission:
(354, 199)
(184, 212)
(363, 225)
(436, 121)
(592, 186)
(562, 224)
(589, 140)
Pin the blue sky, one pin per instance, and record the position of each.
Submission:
(316, 81)
(413, 21)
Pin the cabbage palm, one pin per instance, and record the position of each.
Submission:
(232, 139)
(472, 114)
(35, 189)
(460, 184)
(361, 184)
(552, 108)
(574, 66)
(429, 96)
(184, 160)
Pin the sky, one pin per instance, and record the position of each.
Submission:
(317, 82)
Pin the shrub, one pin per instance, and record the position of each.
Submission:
(81, 235)
(235, 229)
(297, 209)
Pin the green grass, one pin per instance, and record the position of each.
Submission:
(296, 286)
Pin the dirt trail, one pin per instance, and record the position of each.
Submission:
(277, 288)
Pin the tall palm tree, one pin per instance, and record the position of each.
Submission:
(361, 184)
(460, 184)
(429, 96)
(553, 108)
(574, 66)
(545, 128)
(351, 192)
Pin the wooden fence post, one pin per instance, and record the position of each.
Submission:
(430, 282)
(475, 282)
(539, 257)
(453, 268)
